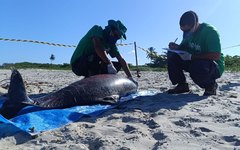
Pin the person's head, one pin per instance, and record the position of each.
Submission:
(188, 22)
(116, 31)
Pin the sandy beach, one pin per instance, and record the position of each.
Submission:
(173, 122)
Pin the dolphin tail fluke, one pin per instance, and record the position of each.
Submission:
(17, 91)
(16, 95)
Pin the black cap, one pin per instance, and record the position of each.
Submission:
(119, 26)
(188, 18)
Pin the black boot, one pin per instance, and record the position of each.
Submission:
(180, 88)
(212, 90)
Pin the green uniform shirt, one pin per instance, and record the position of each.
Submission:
(85, 47)
(205, 39)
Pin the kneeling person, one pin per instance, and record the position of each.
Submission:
(90, 57)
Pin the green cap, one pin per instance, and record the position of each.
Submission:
(119, 26)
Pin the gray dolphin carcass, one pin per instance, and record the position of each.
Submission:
(98, 89)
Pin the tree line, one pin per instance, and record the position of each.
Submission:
(232, 63)
(157, 63)
(27, 65)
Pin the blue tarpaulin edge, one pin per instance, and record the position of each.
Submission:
(34, 120)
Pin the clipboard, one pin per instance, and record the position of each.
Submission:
(175, 51)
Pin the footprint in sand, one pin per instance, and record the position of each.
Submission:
(232, 139)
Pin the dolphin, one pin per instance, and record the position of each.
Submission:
(98, 89)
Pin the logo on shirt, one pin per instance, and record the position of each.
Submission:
(195, 47)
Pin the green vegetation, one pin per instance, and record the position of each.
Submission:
(27, 65)
(158, 63)
(65, 66)
(232, 63)
(146, 68)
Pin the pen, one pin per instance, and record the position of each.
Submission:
(176, 40)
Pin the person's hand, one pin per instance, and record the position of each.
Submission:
(111, 69)
(135, 82)
(173, 45)
(185, 55)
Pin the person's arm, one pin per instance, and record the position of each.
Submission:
(124, 65)
(207, 56)
(99, 50)
(173, 46)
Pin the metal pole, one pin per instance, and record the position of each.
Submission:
(135, 48)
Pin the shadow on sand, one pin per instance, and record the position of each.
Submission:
(144, 103)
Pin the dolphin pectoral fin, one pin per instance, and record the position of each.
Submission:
(109, 99)
(28, 101)
(112, 97)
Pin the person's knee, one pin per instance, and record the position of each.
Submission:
(78, 72)
(117, 65)
(173, 58)
(79, 69)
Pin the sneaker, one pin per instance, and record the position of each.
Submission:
(211, 90)
(180, 88)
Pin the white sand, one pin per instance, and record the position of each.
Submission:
(172, 122)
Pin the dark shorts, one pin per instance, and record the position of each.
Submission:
(203, 72)
(84, 67)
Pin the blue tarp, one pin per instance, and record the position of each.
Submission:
(33, 119)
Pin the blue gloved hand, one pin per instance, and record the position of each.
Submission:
(111, 69)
